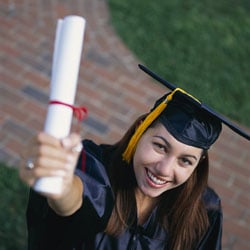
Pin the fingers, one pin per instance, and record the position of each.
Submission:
(54, 153)
(48, 140)
(50, 157)
(34, 168)
(28, 155)
(72, 142)
(25, 174)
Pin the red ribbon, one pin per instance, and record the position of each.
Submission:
(79, 112)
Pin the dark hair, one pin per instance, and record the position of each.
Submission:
(180, 210)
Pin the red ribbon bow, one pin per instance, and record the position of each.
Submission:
(79, 112)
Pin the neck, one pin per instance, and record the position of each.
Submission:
(145, 205)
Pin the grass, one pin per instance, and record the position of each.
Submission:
(201, 46)
(13, 193)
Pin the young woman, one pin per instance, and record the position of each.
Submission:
(147, 191)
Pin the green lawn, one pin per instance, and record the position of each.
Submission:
(13, 195)
(202, 46)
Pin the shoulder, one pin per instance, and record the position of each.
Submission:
(212, 238)
(92, 148)
(211, 199)
(93, 163)
(99, 152)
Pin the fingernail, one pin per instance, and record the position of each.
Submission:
(66, 143)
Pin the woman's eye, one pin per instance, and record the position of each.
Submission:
(160, 146)
(186, 162)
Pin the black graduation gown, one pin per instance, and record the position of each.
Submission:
(84, 229)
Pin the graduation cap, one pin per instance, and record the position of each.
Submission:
(185, 117)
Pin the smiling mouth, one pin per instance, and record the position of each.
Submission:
(154, 179)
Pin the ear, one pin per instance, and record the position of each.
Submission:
(203, 156)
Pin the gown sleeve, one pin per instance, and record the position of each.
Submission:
(213, 236)
(47, 230)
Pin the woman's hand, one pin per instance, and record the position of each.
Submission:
(52, 157)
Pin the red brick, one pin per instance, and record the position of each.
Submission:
(241, 182)
(15, 146)
(243, 198)
(231, 209)
(241, 245)
(220, 173)
(33, 108)
(236, 229)
(12, 66)
(11, 80)
(9, 49)
(20, 116)
(37, 79)
(223, 190)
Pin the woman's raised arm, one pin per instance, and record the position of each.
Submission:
(49, 156)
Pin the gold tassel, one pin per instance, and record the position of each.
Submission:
(128, 153)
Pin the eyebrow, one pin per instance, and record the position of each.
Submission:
(170, 146)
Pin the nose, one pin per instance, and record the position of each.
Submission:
(166, 166)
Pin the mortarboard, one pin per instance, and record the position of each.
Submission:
(186, 118)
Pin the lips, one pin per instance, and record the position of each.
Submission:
(154, 179)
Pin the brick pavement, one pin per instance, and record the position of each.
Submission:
(112, 88)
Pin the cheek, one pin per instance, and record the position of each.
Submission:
(143, 157)
(182, 175)
(143, 153)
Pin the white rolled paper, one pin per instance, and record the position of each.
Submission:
(65, 69)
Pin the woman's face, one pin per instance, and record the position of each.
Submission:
(161, 162)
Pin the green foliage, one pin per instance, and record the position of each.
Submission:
(201, 46)
(13, 234)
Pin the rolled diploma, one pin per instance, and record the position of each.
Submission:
(65, 69)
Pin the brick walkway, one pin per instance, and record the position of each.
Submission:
(112, 88)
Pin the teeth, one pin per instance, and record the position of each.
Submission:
(155, 179)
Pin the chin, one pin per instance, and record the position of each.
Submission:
(151, 193)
